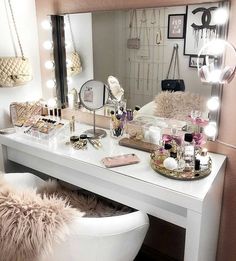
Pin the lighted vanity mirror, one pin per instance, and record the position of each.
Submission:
(136, 47)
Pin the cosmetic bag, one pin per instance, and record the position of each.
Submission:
(15, 71)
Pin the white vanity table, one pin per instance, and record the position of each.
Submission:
(193, 205)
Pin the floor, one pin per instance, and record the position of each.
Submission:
(146, 254)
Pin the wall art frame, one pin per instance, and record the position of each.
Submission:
(199, 26)
(176, 26)
(193, 61)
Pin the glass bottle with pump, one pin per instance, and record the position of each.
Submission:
(189, 152)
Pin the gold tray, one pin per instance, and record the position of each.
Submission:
(182, 175)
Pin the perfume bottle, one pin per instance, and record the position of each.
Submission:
(204, 158)
(160, 155)
(72, 125)
(189, 152)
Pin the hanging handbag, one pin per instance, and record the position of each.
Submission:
(74, 66)
(133, 42)
(173, 85)
(15, 71)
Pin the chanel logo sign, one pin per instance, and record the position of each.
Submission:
(205, 19)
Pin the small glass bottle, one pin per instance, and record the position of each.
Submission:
(173, 150)
(159, 156)
(136, 109)
(204, 159)
(168, 148)
(189, 152)
(72, 125)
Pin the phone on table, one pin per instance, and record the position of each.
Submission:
(121, 160)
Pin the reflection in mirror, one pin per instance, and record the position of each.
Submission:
(93, 96)
(136, 46)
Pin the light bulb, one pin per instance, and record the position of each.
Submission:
(210, 130)
(213, 103)
(52, 103)
(49, 65)
(214, 76)
(46, 25)
(51, 84)
(220, 16)
(69, 80)
(48, 45)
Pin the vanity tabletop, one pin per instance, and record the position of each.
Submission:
(90, 159)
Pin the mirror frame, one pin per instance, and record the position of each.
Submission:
(60, 7)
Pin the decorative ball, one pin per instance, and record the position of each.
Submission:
(170, 163)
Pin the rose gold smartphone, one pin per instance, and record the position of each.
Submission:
(121, 160)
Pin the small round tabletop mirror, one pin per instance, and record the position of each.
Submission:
(93, 96)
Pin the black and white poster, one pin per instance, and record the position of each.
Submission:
(200, 28)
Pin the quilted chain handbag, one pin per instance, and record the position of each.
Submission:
(174, 84)
(16, 70)
(74, 65)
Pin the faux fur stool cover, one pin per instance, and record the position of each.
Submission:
(178, 105)
(90, 204)
(30, 223)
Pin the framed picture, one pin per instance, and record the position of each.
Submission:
(176, 26)
(193, 61)
(200, 27)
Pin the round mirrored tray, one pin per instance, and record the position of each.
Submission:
(182, 175)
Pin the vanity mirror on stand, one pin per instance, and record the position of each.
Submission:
(93, 96)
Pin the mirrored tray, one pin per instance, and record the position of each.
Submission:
(182, 175)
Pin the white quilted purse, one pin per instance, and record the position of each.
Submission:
(74, 65)
(15, 71)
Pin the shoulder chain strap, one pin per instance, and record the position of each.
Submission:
(17, 35)
(133, 16)
(71, 33)
(175, 55)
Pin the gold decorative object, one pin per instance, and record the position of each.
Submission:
(182, 175)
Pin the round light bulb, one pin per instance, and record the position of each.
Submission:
(46, 25)
(49, 65)
(214, 76)
(210, 130)
(213, 103)
(48, 45)
(51, 84)
(220, 16)
(69, 80)
(217, 47)
(52, 103)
